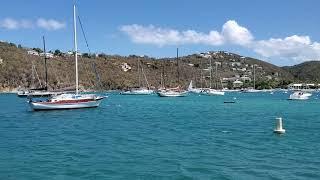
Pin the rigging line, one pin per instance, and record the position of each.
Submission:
(87, 44)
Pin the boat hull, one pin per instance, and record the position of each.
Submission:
(172, 94)
(213, 92)
(138, 92)
(41, 106)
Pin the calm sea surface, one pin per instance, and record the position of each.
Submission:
(148, 137)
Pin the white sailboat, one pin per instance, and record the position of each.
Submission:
(43, 91)
(141, 90)
(173, 92)
(194, 90)
(210, 91)
(69, 101)
(253, 90)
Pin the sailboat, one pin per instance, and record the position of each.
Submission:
(42, 91)
(192, 88)
(253, 90)
(210, 91)
(141, 90)
(69, 101)
(173, 92)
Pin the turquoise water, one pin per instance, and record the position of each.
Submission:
(147, 137)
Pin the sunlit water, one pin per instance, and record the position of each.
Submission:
(148, 137)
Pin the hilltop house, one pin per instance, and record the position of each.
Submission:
(237, 84)
(125, 67)
(48, 55)
(33, 52)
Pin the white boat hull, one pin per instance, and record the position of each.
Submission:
(67, 101)
(138, 92)
(172, 94)
(213, 92)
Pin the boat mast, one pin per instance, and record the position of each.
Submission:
(178, 67)
(139, 73)
(45, 62)
(216, 74)
(201, 75)
(254, 77)
(210, 72)
(75, 45)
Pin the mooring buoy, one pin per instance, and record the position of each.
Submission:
(279, 128)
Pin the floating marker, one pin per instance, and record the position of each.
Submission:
(279, 128)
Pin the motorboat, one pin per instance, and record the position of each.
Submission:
(299, 95)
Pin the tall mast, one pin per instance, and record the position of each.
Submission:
(139, 73)
(201, 75)
(216, 75)
(75, 45)
(178, 66)
(45, 62)
(210, 72)
(254, 77)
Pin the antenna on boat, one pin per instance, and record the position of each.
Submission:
(45, 62)
(75, 45)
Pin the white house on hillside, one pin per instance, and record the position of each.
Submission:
(48, 55)
(33, 52)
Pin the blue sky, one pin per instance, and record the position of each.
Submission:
(281, 32)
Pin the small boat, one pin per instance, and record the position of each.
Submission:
(210, 91)
(65, 100)
(250, 90)
(139, 91)
(172, 93)
(191, 89)
(213, 92)
(300, 95)
(37, 93)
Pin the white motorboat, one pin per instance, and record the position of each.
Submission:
(139, 91)
(69, 101)
(299, 95)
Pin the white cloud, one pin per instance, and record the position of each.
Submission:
(231, 32)
(50, 24)
(235, 34)
(9, 23)
(13, 24)
(160, 36)
(296, 48)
